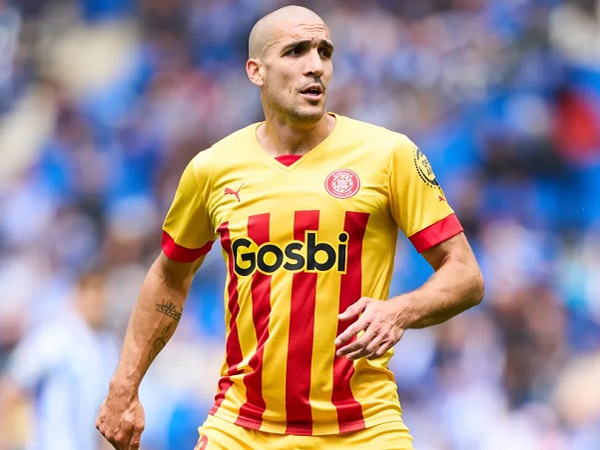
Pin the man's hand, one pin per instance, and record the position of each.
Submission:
(121, 421)
(381, 324)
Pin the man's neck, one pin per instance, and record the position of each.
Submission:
(285, 138)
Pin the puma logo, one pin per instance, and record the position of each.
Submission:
(202, 443)
(234, 193)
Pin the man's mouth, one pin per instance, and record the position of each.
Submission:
(313, 91)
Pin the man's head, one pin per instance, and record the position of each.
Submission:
(90, 298)
(290, 61)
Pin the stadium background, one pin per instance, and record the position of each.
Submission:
(102, 102)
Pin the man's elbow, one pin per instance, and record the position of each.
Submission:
(477, 288)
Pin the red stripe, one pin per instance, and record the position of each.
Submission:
(288, 160)
(232, 345)
(183, 254)
(348, 409)
(253, 409)
(436, 233)
(300, 346)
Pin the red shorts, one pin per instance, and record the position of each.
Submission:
(218, 434)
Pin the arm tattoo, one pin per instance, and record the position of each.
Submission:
(160, 342)
(168, 309)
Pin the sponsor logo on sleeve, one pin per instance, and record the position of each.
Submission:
(424, 169)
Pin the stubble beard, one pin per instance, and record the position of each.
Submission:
(297, 115)
(296, 112)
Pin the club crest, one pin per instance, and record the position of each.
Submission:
(342, 183)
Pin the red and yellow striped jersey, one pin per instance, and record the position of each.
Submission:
(302, 241)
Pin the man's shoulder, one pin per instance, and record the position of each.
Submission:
(236, 140)
(380, 136)
(225, 149)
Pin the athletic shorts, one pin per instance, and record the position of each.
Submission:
(218, 434)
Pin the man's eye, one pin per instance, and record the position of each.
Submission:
(325, 53)
(293, 51)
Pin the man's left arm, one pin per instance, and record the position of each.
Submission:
(456, 286)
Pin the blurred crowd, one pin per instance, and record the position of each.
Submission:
(502, 96)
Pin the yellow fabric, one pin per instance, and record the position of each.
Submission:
(396, 191)
(217, 434)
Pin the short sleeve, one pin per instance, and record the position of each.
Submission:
(188, 233)
(418, 203)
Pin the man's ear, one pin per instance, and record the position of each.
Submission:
(255, 69)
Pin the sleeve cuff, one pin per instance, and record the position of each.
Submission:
(182, 254)
(436, 233)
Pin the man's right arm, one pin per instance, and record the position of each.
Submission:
(153, 321)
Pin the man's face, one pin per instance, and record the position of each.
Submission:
(92, 301)
(298, 69)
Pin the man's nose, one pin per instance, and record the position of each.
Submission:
(314, 64)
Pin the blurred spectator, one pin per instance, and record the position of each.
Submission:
(577, 125)
(10, 27)
(96, 10)
(60, 371)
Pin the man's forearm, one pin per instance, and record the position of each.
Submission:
(454, 288)
(153, 321)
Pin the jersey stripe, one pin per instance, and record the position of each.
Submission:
(182, 254)
(302, 323)
(349, 411)
(436, 233)
(288, 160)
(233, 348)
(253, 409)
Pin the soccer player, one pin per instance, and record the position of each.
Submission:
(60, 369)
(307, 207)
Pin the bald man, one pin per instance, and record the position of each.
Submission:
(307, 205)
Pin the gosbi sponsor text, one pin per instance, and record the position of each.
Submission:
(309, 256)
